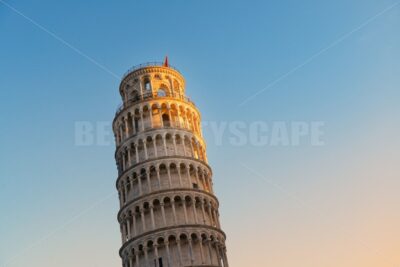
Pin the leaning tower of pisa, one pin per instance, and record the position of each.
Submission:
(168, 211)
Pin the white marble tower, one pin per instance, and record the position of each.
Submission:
(168, 211)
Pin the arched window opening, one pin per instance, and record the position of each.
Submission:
(147, 85)
(166, 121)
(161, 92)
(135, 95)
(136, 124)
(176, 86)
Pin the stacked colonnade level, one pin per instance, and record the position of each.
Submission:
(168, 211)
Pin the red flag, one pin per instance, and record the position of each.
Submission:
(166, 62)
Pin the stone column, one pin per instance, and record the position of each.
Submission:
(141, 120)
(225, 258)
(117, 141)
(178, 168)
(195, 211)
(146, 256)
(197, 177)
(155, 147)
(141, 91)
(198, 150)
(169, 177)
(215, 216)
(140, 184)
(123, 231)
(203, 211)
(174, 211)
(151, 87)
(143, 219)
(189, 176)
(168, 253)
(134, 223)
(205, 156)
(184, 146)
(130, 260)
(210, 184)
(184, 211)
(121, 201)
(191, 147)
(136, 153)
(133, 124)
(191, 250)
(178, 119)
(161, 120)
(148, 179)
(218, 253)
(165, 145)
(169, 116)
(137, 259)
(174, 140)
(123, 161)
(158, 177)
(125, 192)
(126, 127)
(153, 223)
(163, 213)
(129, 229)
(178, 243)
(155, 246)
(131, 183)
(121, 132)
(209, 213)
(129, 156)
(183, 120)
(201, 250)
(146, 155)
(210, 251)
(151, 117)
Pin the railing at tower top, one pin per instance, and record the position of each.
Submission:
(147, 64)
(150, 95)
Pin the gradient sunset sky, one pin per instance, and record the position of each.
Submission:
(338, 62)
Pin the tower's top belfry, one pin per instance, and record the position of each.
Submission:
(149, 78)
(168, 211)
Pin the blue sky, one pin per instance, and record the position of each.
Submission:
(227, 52)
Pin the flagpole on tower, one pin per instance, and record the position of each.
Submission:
(166, 62)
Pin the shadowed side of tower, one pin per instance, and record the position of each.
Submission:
(168, 211)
